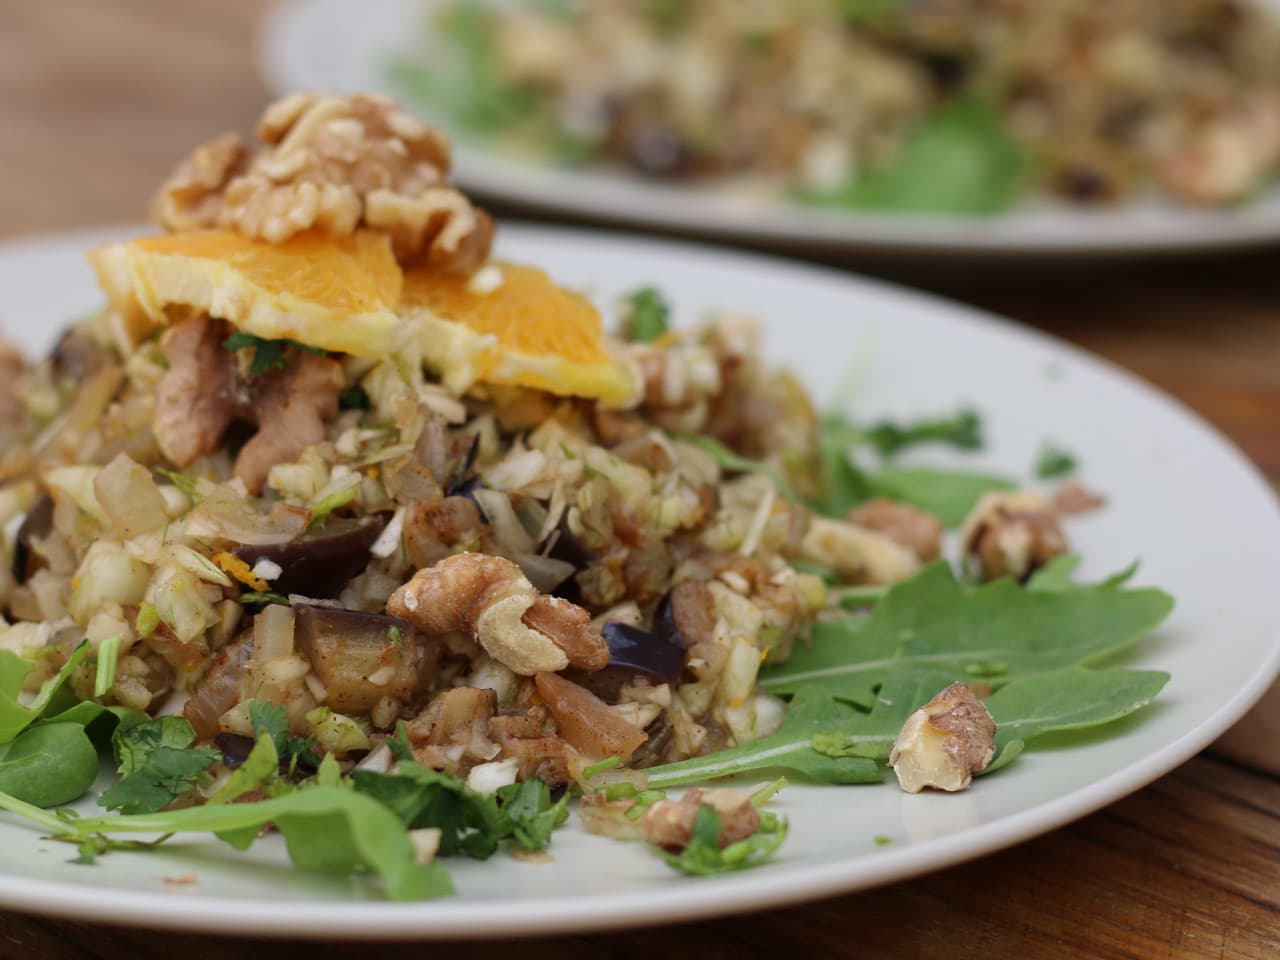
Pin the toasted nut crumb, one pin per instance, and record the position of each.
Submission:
(919, 532)
(944, 743)
(669, 823)
(1012, 534)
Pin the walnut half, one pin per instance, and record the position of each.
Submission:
(944, 743)
(335, 164)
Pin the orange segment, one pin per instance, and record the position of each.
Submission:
(337, 294)
(525, 331)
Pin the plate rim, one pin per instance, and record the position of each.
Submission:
(378, 920)
(544, 188)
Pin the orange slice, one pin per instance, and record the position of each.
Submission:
(513, 325)
(336, 294)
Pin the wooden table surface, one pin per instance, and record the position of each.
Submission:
(98, 99)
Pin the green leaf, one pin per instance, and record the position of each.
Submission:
(736, 463)
(271, 719)
(260, 771)
(167, 774)
(962, 431)
(958, 160)
(267, 354)
(14, 717)
(530, 816)
(155, 764)
(1070, 699)
(703, 856)
(132, 745)
(326, 829)
(1023, 709)
(1052, 462)
(647, 314)
(947, 494)
(48, 765)
(999, 631)
(812, 715)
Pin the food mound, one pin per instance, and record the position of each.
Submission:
(413, 546)
(950, 106)
(320, 451)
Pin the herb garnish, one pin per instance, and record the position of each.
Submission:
(646, 318)
(1052, 461)
(267, 354)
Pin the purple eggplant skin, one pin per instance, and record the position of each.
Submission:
(320, 562)
(347, 649)
(37, 523)
(643, 651)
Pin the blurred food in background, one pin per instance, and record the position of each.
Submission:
(941, 106)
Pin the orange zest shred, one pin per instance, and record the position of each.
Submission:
(236, 568)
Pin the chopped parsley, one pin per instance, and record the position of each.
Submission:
(267, 354)
(1053, 461)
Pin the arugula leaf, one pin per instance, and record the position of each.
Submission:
(267, 354)
(14, 717)
(812, 716)
(703, 856)
(1053, 461)
(959, 160)
(529, 814)
(947, 494)
(327, 829)
(998, 631)
(156, 765)
(48, 765)
(647, 314)
(729, 460)
(962, 431)
(1070, 699)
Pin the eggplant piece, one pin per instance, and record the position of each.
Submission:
(320, 562)
(234, 748)
(361, 657)
(37, 523)
(637, 650)
(685, 615)
(567, 547)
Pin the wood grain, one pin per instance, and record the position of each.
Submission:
(99, 99)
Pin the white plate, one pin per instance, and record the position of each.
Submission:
(345, 47)
(1200, 517)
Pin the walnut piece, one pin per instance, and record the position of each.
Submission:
(919, 532)
(490, 599)
(203, 393)
(669, 823)
(856, 553)
(1012, 534)
(944, 743)
(334, 164)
